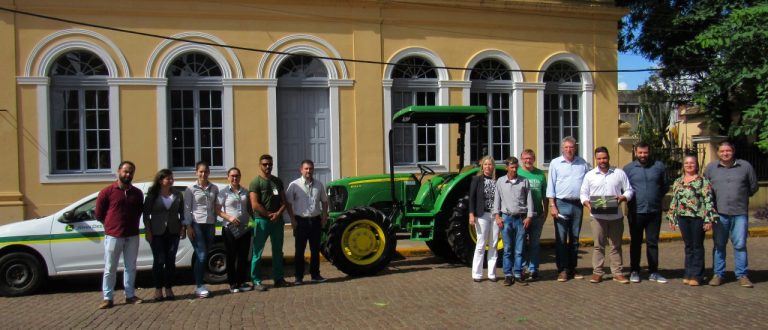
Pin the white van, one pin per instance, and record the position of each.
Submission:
(70, 242)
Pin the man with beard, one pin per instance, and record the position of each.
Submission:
(606, 184)
(649, 182)
(119, 208)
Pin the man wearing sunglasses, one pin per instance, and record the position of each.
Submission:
(268, 202)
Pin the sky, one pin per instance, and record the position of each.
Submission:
(630, 80)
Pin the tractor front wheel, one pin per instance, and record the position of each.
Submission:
(361, 242)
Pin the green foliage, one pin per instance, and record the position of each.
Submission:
(719, 46)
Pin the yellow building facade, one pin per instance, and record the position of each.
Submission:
(86, 84)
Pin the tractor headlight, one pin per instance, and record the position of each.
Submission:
(337, 198)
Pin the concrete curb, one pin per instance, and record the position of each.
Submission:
(546, 243)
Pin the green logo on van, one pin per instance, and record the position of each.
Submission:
(69, 228)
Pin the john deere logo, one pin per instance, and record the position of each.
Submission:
(69, 228)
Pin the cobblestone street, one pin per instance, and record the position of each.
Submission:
(419, 292)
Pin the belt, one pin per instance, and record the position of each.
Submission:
(570, 199)
(308, 218)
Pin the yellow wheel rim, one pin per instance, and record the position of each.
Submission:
(473, 234)
(363, 242)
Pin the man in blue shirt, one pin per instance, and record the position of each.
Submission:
(566, 174)
(649, 181)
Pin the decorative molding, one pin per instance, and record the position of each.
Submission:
(34, 54)
(454, 84)
(528, 85)
(137, 81)
(341, 83)
(165, 44)
(442, 72)
(249, 82)
(166, 61)
(330, 69)
(499, 55)
(295, 38)
(54, 52)
(575, 60)
(32, 80)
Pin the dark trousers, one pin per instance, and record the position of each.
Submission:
(650, 223)
(692, 230)
(307, 229)
(164, 249)
(238, 264)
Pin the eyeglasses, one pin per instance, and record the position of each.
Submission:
(266, 164)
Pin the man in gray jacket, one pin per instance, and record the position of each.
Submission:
(733, 182)
(513, 204)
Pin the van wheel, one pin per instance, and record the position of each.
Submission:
(20, 274)
(216, 264)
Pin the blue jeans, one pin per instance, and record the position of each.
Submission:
(513, 235)
(692, 230)
(204, 234)
(736, 227)
(113, 248)
(567, 235)
(532, 249)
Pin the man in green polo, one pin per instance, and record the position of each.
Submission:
(268, 201)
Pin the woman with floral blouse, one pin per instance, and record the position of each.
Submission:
(692, 209)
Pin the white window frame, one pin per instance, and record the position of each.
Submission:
(442, 85)
(39, 61)
(586, 91)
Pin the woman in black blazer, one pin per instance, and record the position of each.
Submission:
(481, 193)
(163, 214)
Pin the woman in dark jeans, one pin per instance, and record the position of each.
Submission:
(235, 209)
(163, 212)
(694, 212)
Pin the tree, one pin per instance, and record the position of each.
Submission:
(720, 46)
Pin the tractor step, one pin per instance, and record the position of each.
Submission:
(422, 229)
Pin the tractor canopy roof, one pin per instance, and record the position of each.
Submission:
(440, 114)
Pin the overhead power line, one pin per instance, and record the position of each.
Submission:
(250, 49)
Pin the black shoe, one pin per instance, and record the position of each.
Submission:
(477, 280)
(493, 279)
(509, 280)
(520, 281)
(281, 283)
(533, 277)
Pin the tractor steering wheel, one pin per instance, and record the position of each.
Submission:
(425, 170)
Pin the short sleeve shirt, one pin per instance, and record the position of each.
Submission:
(269, 191)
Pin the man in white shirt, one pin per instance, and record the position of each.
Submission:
(309, 213)
(610, 186)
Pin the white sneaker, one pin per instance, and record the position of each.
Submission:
(245, 288)
(202, 292)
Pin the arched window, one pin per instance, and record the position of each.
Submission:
(196, 124)
(414, 83)
(301, 67)
(493, 137)
(79, 112)
(561, 106)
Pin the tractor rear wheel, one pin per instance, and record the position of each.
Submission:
(361, 242)
(461, 236)
(439, 243)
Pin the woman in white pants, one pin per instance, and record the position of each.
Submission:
(481, 193)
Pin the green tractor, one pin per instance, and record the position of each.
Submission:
(366, 212)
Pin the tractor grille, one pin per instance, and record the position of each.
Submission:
(337, 198)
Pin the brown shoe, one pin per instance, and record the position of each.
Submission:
(620, 278)
(686, 281)
(106, 304)
(133, 300)
(562, 277)
(693, 282)
(744, 282)
(577, 276)
(716, 281)
(596, 278)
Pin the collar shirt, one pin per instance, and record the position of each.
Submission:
(235, 203)
(306, 198)
(200, 204)
(732, 186)
(649, 184)
(120, 210)
(513, 196)
(565, 177)
(612, 183)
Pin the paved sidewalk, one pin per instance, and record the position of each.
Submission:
(417, 293)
